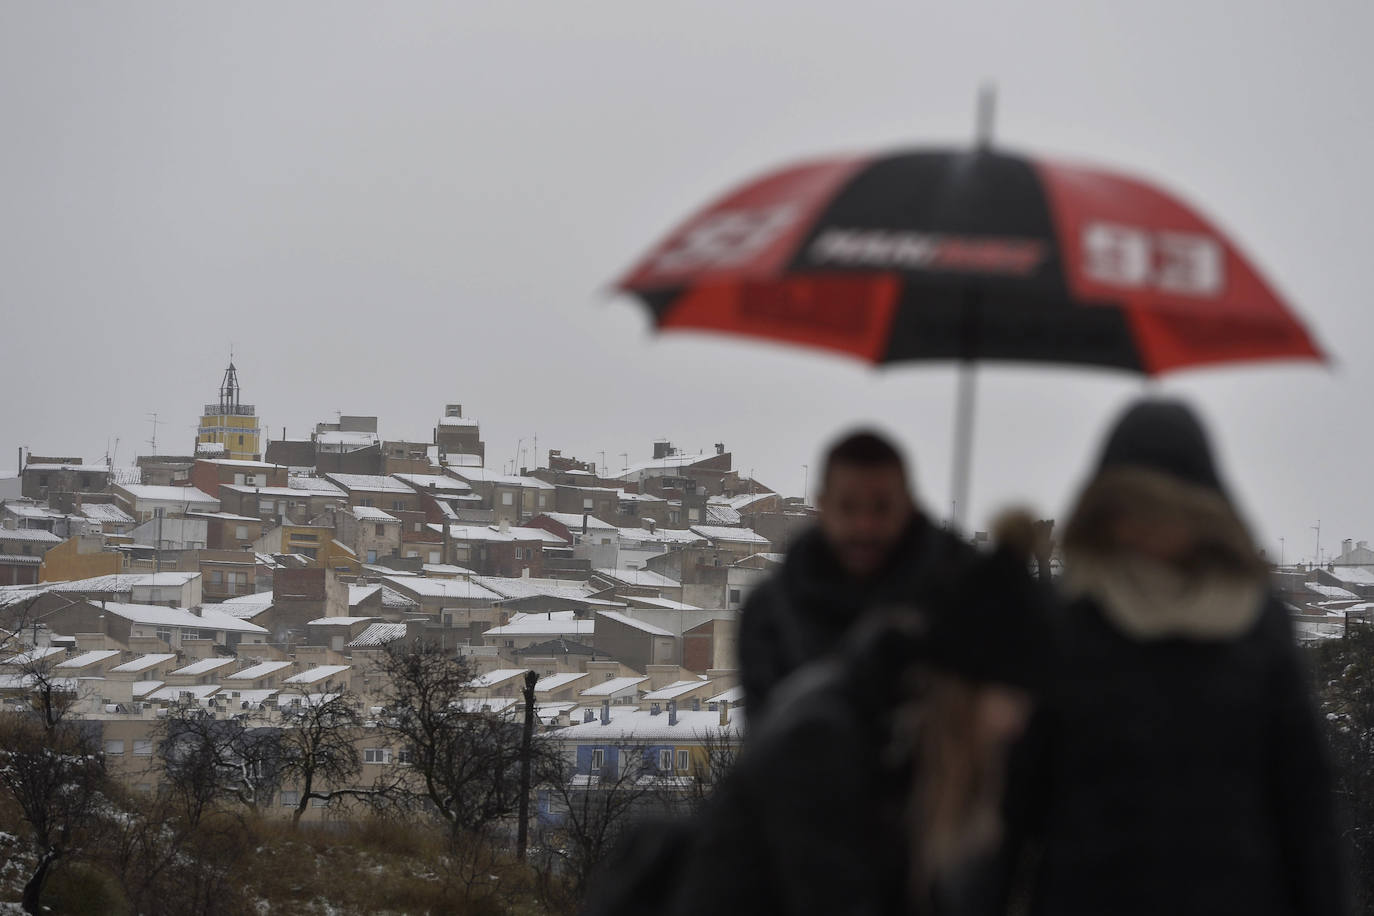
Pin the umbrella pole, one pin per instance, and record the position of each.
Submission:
(963, 439)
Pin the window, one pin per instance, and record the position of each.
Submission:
(290, 798)
(28, 548)
(42, 480)
(85, 482)
(216, 577)
(381, 530)
(372, 556)
(164, 634)
(377, 755)
(682, 761)
(434, 557)
(365, 501)
(250, 480)
(693, 515)
(587, 504)
(543, 500)
(734, 596)
(240, 440)
(398, 505)
(413, 553)
(665, 759)
(114, 746)
(417, 527)
(405, 756)
(598, 758)
(143, 747)
(241, 532)
(507, 498)
(318, 802)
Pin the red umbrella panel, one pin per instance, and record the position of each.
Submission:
(971, 255)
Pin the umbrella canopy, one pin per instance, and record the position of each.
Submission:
(970, 254)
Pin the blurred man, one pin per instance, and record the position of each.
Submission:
(873, 547)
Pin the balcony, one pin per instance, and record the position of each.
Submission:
(237, 410)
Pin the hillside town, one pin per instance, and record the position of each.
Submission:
(247, 578)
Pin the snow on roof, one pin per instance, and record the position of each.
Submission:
(88, 658)
(723, 533)
(668, 462)
(1330, 591)
(637, 624)
(369, 483)
(143, 663)
(486, 475)
(447, 569)
(260, 670)
(33, 655)
(1355, 575)
(494, 705)
(443, 588)
(106, 512)
(254, 697)
(661, 535)
(494, 533)
(641, 577)
(675, 689)
(204, 666)
(373, 514)
(558, 623)
(312, 484)
(246, 610)
(240, 463)
(336, 621)
(24, 510)
(225, 516)
(357, 594)
(185, 692)
(665, 604)
(185, 495)
(438, 483)
(394, 599)
(155, 615)
(509, 587)
(339, 437)
(29, 534)
(457, 421)
(557, 681)
(124, 582)
(628, 497)
(317, 674)
(733, 695)
(141, 689)
(631, 724)
(492, 678)
(378, 634)
(721, 515)
(613, 686)
(573, 521)
(211, 448)
(745, 500)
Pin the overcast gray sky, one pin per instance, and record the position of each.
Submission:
(387, 207)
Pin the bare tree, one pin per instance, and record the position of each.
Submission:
(55, 775)
(319, 752)
(590, 811)
(209, 759)
(719, 753)
(463, 764)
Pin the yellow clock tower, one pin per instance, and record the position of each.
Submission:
(230, 424)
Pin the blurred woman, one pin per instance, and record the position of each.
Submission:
(1180, 766)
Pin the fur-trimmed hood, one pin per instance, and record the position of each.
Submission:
(1213, 589)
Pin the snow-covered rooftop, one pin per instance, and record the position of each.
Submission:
(486, 475)
(369, 483)
(558, 623)
(154, 615)
(630, 724)
(614, 685)
(676, 689)
(143, 663)
(204, 666)
(722, 533)
(317, 674)
(88, 658)
(437, 483)
(312, 484)
(499, 676)
(373, 514)
(260, 670)
(558, 681)
(337, 621)
(106, 513)
(447, 589)
(496, 533)
(378, 634)
(639, 577)
(35, 535)
(184, 495)
(637, 624)
(573, 521)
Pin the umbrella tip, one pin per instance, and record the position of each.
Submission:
(987, 108)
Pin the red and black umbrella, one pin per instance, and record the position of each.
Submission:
(972, 254)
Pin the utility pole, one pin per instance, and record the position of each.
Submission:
(526, 742)
(602, 471)
(152, 418)
(806, 482)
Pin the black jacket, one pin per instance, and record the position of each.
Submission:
(803, 611)
(1177, 776)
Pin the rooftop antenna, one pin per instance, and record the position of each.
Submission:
(152, 418)
(625, 461)
(1318, 528)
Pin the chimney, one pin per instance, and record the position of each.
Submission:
(504, 526)
(672, 712)
(720, 448)
(605, 712)
(696, 704)
(588, 715)
(662, 449)
(724, 713)
(655, 709)
(1345, 546)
